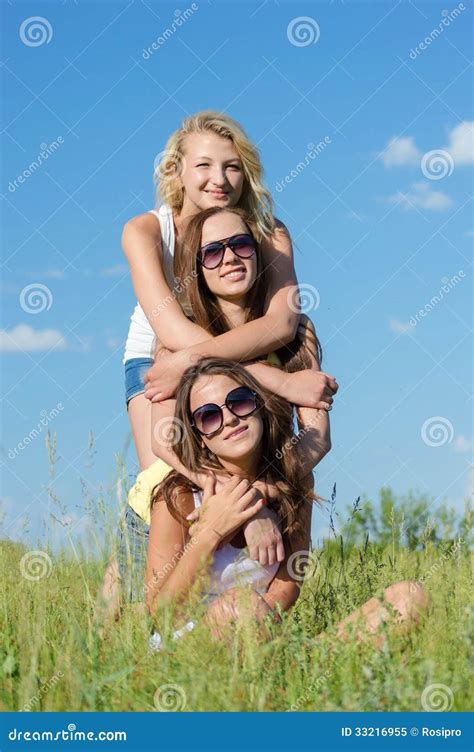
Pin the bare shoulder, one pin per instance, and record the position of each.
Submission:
(280, 239)
(143, 224)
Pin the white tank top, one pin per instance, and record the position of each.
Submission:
(141, 340)
(231, 567)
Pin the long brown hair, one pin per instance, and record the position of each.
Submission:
(207, 312)
(204, 304)
(279, 464)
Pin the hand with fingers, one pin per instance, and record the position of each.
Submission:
(223, 512)
(310, 388)
(162, 379)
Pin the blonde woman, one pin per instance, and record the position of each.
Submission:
(209, 161)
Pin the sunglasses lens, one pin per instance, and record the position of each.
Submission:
(242, 402)
(208, 419)
(243, 246)
(211, 255)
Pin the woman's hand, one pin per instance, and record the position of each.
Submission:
(310, 388)
(264, 538)
(261, 532)
(162, 380)
(236, 605)
(225, 511)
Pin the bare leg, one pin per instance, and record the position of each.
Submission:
(409, 601)
(139, 411)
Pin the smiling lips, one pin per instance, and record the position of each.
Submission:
(234, 435)
(217, 194)
(234, 274)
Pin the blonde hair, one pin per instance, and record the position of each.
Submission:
(255, 200)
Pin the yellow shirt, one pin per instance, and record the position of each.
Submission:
(139, 495)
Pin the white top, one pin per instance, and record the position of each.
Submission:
(141, 340)
(231, 567)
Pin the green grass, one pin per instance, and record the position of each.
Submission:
(52, 658)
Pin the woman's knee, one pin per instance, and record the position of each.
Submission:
(408, 598)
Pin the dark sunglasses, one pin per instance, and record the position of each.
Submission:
(212, 254)
(209, 418)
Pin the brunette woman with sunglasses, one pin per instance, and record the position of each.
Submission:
(232, 424)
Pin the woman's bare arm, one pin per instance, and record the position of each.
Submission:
(173, 564)
(141, 242)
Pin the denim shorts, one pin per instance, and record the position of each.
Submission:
(135, 370)
(132, 548)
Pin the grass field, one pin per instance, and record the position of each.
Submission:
(52, 658)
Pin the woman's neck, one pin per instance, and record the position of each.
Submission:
(234, 311)
(246, 467)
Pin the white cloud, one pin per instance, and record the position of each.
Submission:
(399, 327)
(461, 143)
(421, 196)
(462, 445)
(469, 234)
(55, 274)
(23, 338)
(114, 271)
(400, 151)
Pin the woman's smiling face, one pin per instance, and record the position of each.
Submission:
(212, 172)
(235, 277)
(239, 438)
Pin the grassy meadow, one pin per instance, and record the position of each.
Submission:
(52, 657)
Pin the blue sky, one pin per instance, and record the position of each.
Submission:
(380, 212)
